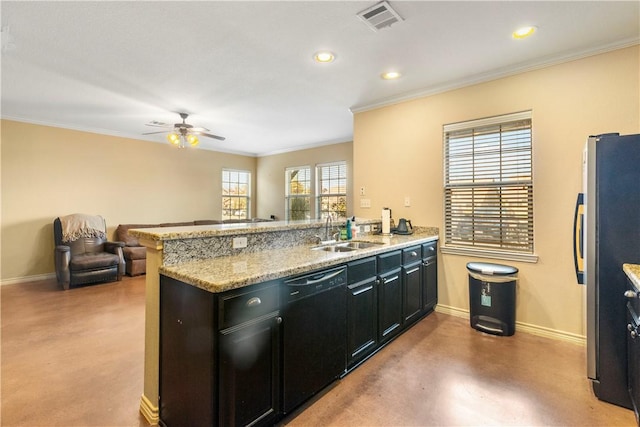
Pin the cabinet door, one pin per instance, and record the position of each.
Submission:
(412, 287)
(187, 337)
(362, 320)
(249, 372)
(429, 283)
(390, 304)
(633, 353)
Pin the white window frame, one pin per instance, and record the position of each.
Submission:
(238, 197)
(320, 212)
(305, 197)
(488, 168)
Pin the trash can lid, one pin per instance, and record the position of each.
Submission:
(491, 269)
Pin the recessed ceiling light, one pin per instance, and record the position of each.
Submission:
(391, 75)
(523, 32)
(324, 57)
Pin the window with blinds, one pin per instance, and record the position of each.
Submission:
(489, 184)
(332, 190)
(298, 193)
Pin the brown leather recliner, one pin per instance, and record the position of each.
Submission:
(87, 257)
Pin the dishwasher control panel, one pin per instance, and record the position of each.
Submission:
(311, 284)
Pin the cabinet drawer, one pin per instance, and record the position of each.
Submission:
(389, 261)
(239, 307)
(429, 249)
(411, 254)
(361, 269)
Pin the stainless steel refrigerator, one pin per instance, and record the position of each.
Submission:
(607, 235)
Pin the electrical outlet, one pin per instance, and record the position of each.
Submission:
(239, 242)
(365, 203)
(362, 191)
(407, 201)
(367, 229)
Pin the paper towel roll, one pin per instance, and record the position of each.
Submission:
(386, 221)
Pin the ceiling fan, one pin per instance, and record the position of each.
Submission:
(181, 134)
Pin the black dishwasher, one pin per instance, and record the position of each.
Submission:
(314, 334)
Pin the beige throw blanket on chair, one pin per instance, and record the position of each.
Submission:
(75, 226)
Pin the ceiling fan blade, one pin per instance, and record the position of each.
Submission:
(208, 135)
(200, 129)
(151, 133)
(158, 124)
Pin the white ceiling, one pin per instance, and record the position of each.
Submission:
(245, 70)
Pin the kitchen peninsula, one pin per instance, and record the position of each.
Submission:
(223, 263)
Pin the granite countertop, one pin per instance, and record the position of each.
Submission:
(633, 272)
(195, 231)
(236, 271)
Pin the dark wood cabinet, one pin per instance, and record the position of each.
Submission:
(187, 355)
(224, 356)
(412, 284)
(219, 355)
(389, 295)
(249, 377)
(412, 287)
(429, 276)
(362, 310)
(390, 304)
(633, 346)
(249, 355)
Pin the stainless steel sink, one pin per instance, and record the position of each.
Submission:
(333, 248)
(346, 246)
(356, 244)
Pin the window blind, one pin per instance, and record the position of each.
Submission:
(489, 184)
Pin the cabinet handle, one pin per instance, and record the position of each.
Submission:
(255, 301)
(633, 334)
(278, 320)
(389, 279)
(414, 253)
(631, 294)
(359, 291)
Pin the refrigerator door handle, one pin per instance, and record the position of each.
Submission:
(578, 239)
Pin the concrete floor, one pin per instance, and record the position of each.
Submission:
(75, 358)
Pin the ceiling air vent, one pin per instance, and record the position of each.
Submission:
(379, 16)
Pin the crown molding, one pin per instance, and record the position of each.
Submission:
(113, 133)
(305, 147)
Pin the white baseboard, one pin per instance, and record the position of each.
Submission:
(35, 278)
(523, 327)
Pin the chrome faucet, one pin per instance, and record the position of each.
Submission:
(328, 226)
(328, 229)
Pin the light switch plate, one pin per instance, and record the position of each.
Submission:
(365, 203)
(407, 201)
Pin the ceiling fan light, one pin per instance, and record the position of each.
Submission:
(523, 32)
(174, 138)
(193, 140)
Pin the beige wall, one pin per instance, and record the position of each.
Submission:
(569, 102)
(49, 172)
(271, 175)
